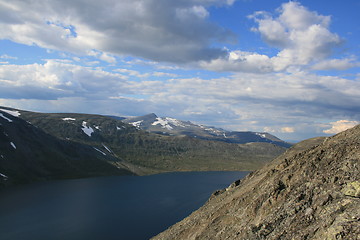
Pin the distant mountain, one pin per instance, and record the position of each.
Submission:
(125, 146)
(310, 192)
(28, 154)
(175, 127)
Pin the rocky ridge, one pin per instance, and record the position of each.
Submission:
(310, 192)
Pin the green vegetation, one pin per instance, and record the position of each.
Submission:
(153, 152)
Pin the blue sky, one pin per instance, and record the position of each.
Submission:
(290, 68)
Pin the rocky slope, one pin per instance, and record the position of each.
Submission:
(175, 127)
(310, 192)
(146, 153)
(29, 154)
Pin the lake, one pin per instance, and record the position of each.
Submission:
(121, 207)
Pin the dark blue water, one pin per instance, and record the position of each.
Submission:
(125, 207)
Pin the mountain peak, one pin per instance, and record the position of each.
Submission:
(171, 126)
(150, 116)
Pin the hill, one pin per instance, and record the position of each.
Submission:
(174, 127)
(310, 192)
(143, 152)
(29, 154)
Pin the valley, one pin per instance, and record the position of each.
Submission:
(122, 147)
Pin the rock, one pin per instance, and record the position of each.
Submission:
(352, 189)
(310, 192)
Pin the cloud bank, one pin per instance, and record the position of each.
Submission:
(161, 30)
(277, 102)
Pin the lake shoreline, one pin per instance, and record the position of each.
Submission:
(137, 206)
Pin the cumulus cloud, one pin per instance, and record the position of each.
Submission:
(278, 102)
(302, 37)
(55, 79)
(287, 129)
(340, 126)
(248, 101)
(161, 30)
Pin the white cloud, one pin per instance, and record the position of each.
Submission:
(287, 129)
(161, 30)
(107, 58)
(238, 61)
(302, 37)
(336, 64)
(144, 75)
(283, 103)
(5, 56)
(164, 74)
(340, 126)
(55, 79)
(133, 73)
(102, 56)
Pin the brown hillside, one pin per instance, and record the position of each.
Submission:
(310, 192)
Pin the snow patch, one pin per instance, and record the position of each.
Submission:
(87, 130)
(216, 131)
(97, 127)
(137, 124)
(13, 145)
(100, 151)
(69, 119)
(175, 122)
(261, 135)
(163, 122)
(13, 113)
(8, 119)
(3, 175)
(107, 148)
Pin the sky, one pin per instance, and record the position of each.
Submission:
(289, 68)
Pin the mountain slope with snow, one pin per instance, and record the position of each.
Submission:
(144, 152)
(62, 145)
(174, 127)
(28, 154)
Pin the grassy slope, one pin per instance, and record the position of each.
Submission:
(153, 151)
(40, 156)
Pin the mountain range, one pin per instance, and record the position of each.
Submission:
(68, 145)
(174, 127)
(310, 192)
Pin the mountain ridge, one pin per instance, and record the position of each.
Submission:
(174, 127)
(144, 152)
(29, 154)
(312, 191)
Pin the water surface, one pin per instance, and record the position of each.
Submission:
(122, 207)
